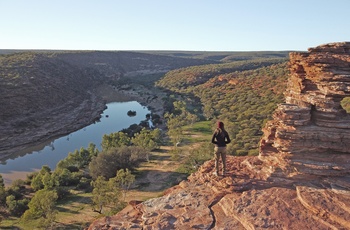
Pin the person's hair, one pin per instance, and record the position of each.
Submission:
(221, 125)
(220, 129)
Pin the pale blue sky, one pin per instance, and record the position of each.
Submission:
(196, 25)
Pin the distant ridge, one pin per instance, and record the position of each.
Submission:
(222, 56)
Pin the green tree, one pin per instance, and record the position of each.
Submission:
(192, 118)
(50, 181)
(107, 163)
(178, 119)
(175, 125)
(64, 177)
(114, 140)
(44, 179)
(17, 189)
(16, 207)
(79, 158)
(145, 139)
(148, 140)
(37, 183)
(124, 179)
(104, 194)
(42, 206)
(239, 92)
(93, 151)
(11, 203)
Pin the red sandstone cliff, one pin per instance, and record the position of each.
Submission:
(301, 180)
(312, 119)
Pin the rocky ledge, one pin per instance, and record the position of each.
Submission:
(267, 192)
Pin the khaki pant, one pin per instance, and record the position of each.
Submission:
(220, 152)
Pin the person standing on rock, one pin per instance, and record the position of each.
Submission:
(220, 139)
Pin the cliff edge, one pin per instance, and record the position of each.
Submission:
(272, 192)
(300, 180)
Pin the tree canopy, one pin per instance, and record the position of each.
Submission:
(242, 94)
(107, 163)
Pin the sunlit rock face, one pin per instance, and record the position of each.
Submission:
(312, 119)
(270, 192)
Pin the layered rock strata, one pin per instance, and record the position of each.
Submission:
(312, 119)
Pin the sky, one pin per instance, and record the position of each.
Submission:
(193, 25)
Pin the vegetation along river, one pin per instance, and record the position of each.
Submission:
(113, 119)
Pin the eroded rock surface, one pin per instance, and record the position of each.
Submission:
(266, 192)
(312, 119)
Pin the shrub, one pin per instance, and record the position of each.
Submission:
(107, 163)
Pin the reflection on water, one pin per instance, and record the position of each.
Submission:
(114, 119)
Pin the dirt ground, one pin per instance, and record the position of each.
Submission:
(155, 176)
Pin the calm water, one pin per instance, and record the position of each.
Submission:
(58, 149)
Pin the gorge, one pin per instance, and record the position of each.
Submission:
(50, 94)
(301, 178)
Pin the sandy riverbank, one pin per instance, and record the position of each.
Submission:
(48, 124)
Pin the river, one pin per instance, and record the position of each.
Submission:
(113, 119)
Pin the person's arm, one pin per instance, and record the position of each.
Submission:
(228, 140)
(213, 139)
